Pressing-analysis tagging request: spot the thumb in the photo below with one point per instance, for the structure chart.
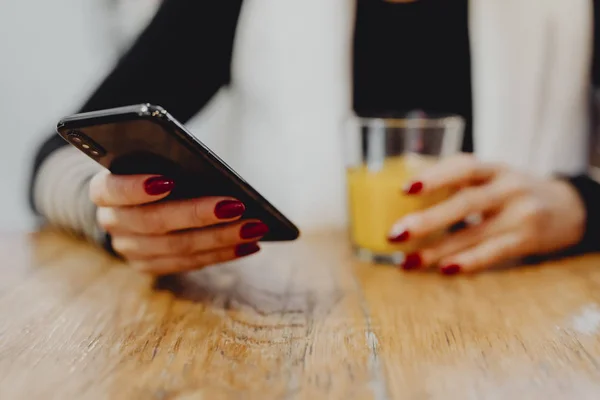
(108, 190)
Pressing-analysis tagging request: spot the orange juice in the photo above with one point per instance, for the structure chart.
(376, 201)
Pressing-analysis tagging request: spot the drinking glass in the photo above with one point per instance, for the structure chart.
(383, 154)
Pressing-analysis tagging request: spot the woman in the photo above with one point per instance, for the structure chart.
(523, 214)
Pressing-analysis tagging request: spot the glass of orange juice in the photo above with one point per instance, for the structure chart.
(383, 154)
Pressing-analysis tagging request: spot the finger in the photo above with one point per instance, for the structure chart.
(449, 173)
(469, 237)
(463, 204)
(108, 190)
(489, 253)
(141, 247)
(173, 265)
(162, 218)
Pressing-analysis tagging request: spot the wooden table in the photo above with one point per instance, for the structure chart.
(299, 321)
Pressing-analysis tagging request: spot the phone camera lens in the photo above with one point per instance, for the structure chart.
(86, 144)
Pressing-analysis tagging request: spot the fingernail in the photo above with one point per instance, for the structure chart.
(413, 188)
(246, 249)
(158, 185)
(451, 269)
(399, 236)
(412, 261)
(228, 209)
(253, 230)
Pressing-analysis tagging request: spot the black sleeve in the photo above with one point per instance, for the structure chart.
(179, 62)
(589, 192)
(596, 47)
(587, 188)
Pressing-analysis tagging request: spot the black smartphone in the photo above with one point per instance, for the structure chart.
(146, 139)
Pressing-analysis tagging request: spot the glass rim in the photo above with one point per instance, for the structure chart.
(406, 120)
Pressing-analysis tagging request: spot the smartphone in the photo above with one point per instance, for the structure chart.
(146, 139)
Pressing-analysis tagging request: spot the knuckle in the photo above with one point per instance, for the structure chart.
(472, 235)
(198, 262)
(127, 189)
(516, 185)
(430, 255)
(223, 255)
(473, 200)
(198, 213)
(534, 212)
(141, 266)
(422, 224)
(212, 258)
(470, 167)
(527, 238)
(475, 259)
(180, 243)
(534, 217)
(516, 245)
(479, 261)
(118, 244)
(491, 197)
(122, 246)
(106, 219)
(225, 235)
(186, 264)
(96, 187)
(151, 219)
(484, 197)
(415, 222)
(468, 193)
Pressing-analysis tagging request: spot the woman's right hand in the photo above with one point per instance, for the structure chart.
(174, 236)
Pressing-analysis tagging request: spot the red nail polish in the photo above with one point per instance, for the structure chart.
(253, 230)
(414, 188)
(451, 269)
(246, 249)
(400, 238)
(228, 209)
(158, 185)
(412, 261)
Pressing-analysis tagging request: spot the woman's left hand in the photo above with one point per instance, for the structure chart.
(521, 216)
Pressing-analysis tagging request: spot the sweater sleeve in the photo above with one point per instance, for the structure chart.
(180, 61)
(588, 188)
(589, 192)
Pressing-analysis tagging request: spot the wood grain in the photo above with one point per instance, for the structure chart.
(298, 321)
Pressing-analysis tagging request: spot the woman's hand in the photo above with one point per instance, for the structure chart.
(174, 236)
(521, 216)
